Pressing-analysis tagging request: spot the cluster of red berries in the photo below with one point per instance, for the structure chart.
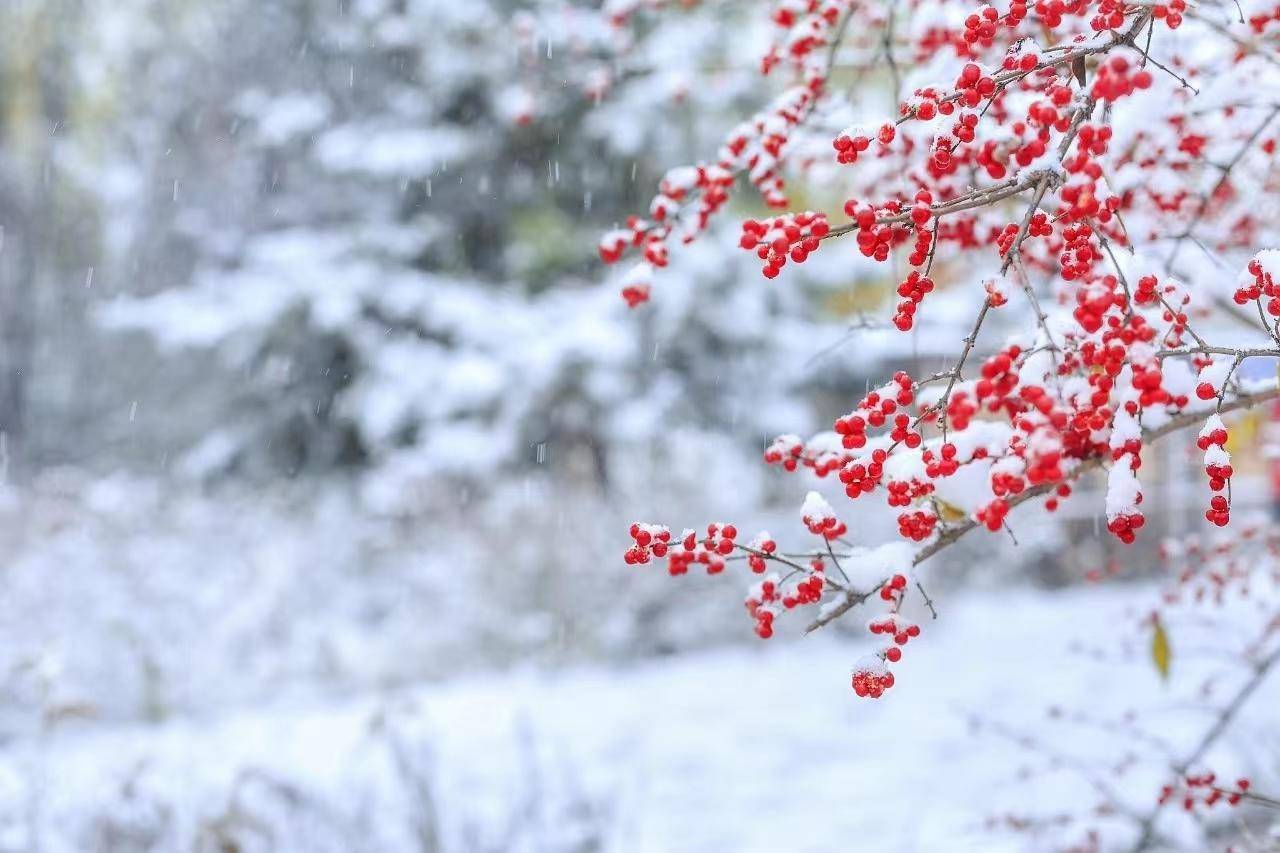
(973, 86)
(614, 243)
(655, 251)
(1217, 467)
(861, 478)
(863, 215)
(1204, 790)
(1262, 285)
(1039, 226)
(912, 290)
(993, 514)
(1125, 521)
(1044, 462)
(1051, 112)
(807, 27)
(924, 243)
(765, 596)
(1170, 13)
(719, 539)
(1175, 301)
(941, 464)
(690, 196)
(1117, 78)
(992, 158)
(1006, 483)
(851, 142)
(1125, 526)
(709, 553)
(1212, 434)
(998, 376)
(928, 104)
(1050, 12)
(1025, 62)
(1108, 357)
(980, 27)
(635, 294)
(1078, 253)
(872, 680)
(903, 492)
(710, 186)
(1080, 201)
(872, 676)
(649, 539)
(1145, 293)
(943, 161)
(904, 433)
(874, 411)
(917, 526)
(1093, 139)
(654, 540)
(1109, 16)
(785, 450)
(793, 236)
(1212, 377)
(821, 519)
(764, 544)
(807, 591)
(1219, 511)
(920, 212)
(1094, 300)
(1259, 20)
(960, 410)
(1148, 379)
(849, 147)
(893, 624)
(876, 239)
(1124, 492)
(965, 127)
(761, 605)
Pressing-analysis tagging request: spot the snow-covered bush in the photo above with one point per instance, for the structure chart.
(400, 282)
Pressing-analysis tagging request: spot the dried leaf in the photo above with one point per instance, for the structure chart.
(947, 511)
(1161, 652)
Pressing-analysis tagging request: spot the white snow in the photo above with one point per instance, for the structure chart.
(759, 749)
(1123, 489)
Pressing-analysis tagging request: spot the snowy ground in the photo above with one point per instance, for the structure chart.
(763, 748)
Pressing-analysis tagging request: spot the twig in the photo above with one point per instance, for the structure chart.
(1210, 737)
(928, 602)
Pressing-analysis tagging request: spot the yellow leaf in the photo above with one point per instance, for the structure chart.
(1161, 653)
(948, 511)
(1244, 432)
(859, 297)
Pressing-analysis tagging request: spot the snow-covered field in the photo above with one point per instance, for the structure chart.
(759, 748)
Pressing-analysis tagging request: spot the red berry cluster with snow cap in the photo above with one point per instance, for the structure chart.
(1217, 467)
